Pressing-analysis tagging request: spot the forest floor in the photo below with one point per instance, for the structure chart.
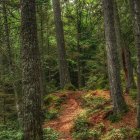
(72, 107)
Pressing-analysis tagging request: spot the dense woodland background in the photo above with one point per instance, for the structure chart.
(64, 52)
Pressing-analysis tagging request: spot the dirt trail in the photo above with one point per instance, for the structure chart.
(70, 110)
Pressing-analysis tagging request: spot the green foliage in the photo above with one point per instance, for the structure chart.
(52, 105)
(50, 87)
(94, 102)
(114, 118)
(50, 134)
(10, 132)
(133, 94)
(52, 114)
(69, 87)
(81, 123)
(135, 133)
(52, 99)
(82, 129)
(123, 133)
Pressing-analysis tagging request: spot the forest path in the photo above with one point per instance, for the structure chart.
(70, 109)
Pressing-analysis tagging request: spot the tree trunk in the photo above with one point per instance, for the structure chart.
(63, 66)
(118, 32)
(7, 38)
(123, 51)
(135, 11)
(112, 58)
(79, 18)
(128, 69)
(11, 67)
(30, 72)
(42, 49)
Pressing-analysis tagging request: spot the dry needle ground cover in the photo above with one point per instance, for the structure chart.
(88, 115)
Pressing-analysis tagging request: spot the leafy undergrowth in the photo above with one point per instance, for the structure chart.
(10, 131)
(80, 115)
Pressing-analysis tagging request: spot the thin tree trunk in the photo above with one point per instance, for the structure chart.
(112, 57)
(11, 69)
(30, 72)
(63, 66)
(123, 51)
(79, 15)
(128, 69)
(7, 37)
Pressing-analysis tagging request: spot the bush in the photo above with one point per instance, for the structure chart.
(52, 106)
(82, 129)
(69, 87)
(135, 133)
(114, 118)
(94, 102)
(53, 100)
(115, 134)
(10, 132)
(52, 114)
(133, 94)
(50, 134)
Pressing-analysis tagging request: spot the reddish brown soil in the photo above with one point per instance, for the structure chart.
(129, 119)
(71, 108)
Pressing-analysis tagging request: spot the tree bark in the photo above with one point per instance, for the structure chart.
(123, 51)
(128, 69)
(112, 58)
(31, 72)
(63, 66)
(135, 11)
(79, 18)
(7, 37)
(9, 58)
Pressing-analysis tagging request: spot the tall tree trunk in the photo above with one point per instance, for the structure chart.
(79, 16)
(63, 66)
(30, 72)
(135, 11)
(128, 68)
(7, 37)
(11, 67)
(112, 57)
(42, 49)
(118, 31)
(123, 51)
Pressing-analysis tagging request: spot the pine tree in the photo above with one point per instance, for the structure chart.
(63, 66)
(30, 72)
(112, 58)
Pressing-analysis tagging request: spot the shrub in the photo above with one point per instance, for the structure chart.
(53, 100)
(52, 114)
(114, 118)
(50, 134)
(94, 102)
(135, 133)
(50, 99)
(118, 134)
(69, 87)
(133, 94)
(10, 132)
(82, 129)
